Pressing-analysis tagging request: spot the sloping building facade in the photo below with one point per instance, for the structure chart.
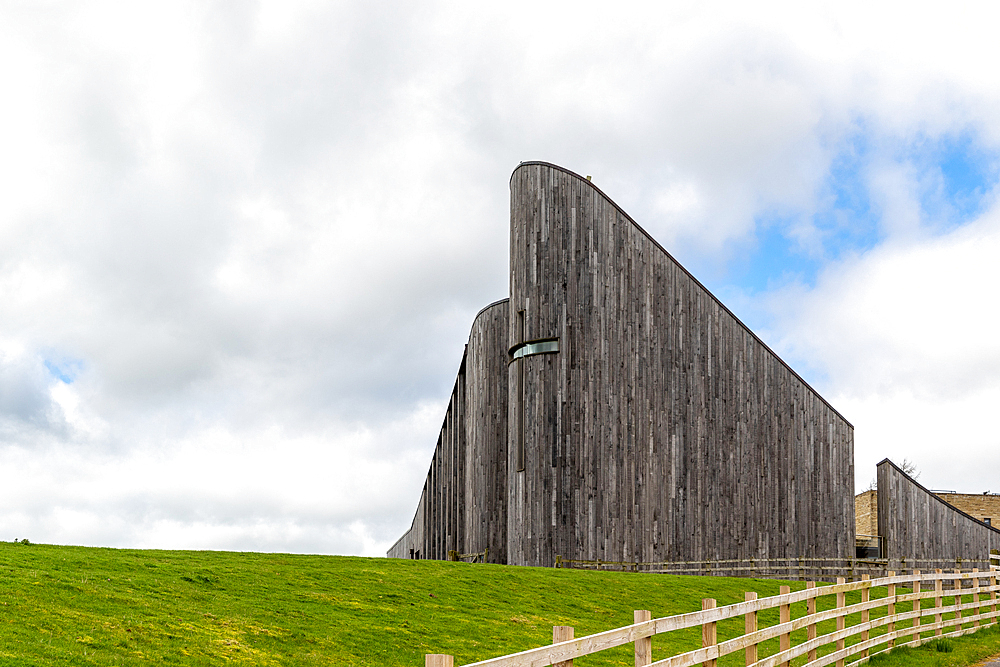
(917, 524)
(612, 408)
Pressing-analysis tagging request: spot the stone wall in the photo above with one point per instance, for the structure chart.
(986, 508)
(866, 513)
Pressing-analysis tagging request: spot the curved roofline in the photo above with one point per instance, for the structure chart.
(936, 496)
(488, 306)
(688, 273)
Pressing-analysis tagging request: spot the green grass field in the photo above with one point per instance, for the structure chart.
(85, 606)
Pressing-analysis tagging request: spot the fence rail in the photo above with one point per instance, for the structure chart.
(887, 631)
(478, 557)
(800, 569)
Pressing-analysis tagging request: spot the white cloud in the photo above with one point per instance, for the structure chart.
(222, 488)
(258, 232)
(905, 336)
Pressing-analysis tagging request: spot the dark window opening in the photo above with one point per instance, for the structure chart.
(535, 347)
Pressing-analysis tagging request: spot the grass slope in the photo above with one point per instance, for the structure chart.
(84, 606)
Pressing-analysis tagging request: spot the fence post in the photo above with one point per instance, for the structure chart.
(558, 560)
(841, 620)
(810, 610)
(975, 597)
(917, 588)
(708, 635)
(643, 645)
(993, 596)
(938, 590)
(958, 601)
(749, 626)
(562, 633)
(438, 660)
(866, 595)
(784, 616)
(891, 611)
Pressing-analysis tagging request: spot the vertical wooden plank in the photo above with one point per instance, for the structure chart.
(841, 620)
(917, 587)
(643, 645)
(562, 633)
(439, 660)
(784, 616)
(811, 628)
(708, 631)
(865, 614)
(891, 608)
(938, 590)
(750, 626)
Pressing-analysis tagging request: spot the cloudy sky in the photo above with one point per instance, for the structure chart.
(242, 243)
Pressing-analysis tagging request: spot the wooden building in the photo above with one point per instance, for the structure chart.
(612, 408)
(917, 524)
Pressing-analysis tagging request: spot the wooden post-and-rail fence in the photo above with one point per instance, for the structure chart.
(904, 619)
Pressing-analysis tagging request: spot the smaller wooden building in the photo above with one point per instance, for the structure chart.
(903, 521)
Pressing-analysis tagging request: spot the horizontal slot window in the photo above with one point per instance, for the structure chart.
(535, 347)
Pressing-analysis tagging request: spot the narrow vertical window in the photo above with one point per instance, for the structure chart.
(518, 353)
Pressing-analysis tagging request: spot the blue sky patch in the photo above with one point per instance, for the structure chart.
(775, 260)
(959, 174)
(953, 177)
(64, 370)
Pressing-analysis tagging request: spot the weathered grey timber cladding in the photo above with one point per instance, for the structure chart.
(462, 504)
(916, 524)
(663, 429)
(613, 409)
(486, 428)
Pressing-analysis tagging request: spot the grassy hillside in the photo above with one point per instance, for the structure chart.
(84, 606)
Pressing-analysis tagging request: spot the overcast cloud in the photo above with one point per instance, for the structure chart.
(241, 244)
